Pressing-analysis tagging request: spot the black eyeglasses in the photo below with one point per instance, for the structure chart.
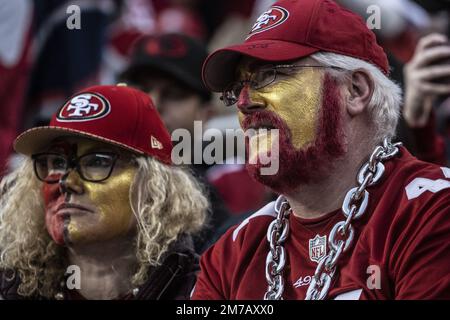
(93, 167)
(260, 79)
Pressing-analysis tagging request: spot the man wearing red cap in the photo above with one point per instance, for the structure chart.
(358, 216)
(96, 211)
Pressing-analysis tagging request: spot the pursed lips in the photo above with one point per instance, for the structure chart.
(71, 208)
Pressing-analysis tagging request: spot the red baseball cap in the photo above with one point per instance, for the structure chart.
(293, 29)
(118, 115)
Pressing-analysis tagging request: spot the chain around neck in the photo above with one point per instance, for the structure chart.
(354, 207)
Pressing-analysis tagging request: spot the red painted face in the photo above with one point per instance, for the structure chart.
(54, 222)
(53, 198)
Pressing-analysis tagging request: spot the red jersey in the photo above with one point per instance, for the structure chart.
(401, 248)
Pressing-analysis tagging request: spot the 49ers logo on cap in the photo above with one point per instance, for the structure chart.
(84, 107)
(269, 19)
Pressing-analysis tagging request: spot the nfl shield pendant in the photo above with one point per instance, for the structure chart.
(317, 248)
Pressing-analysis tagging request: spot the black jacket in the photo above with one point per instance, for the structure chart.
(172, 280)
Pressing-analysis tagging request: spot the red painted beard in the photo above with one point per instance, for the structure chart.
(302, 166)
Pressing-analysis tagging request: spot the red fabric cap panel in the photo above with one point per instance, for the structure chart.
(118, 114)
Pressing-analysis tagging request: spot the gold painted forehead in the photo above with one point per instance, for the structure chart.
(248, 65)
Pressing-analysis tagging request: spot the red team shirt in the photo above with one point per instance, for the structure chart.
(401, 249)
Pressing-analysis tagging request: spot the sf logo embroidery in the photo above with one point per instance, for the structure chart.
(317, 248)
(269, 19)
(84, 107)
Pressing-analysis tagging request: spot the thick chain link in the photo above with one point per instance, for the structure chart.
(276, 258)
(340, 238)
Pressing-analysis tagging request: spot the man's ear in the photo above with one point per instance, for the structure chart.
(360, 92)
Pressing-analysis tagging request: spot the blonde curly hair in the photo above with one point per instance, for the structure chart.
(167, 202)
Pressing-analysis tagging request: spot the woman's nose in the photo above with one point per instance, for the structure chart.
(71, 182)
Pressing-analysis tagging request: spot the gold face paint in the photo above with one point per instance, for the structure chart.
(113, 216)
(109, 214)
(296, 99)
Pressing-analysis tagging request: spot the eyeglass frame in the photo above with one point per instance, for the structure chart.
(74, 163)
(274, 67)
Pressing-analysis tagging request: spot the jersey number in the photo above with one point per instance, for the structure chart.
(419, 185)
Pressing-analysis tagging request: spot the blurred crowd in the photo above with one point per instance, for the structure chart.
(159, 46)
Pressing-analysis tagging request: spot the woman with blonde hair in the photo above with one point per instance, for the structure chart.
(96, 210)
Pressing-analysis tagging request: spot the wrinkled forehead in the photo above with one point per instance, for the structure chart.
(79, 146)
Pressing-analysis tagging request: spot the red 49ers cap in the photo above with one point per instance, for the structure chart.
(118, 115)
(293, 29)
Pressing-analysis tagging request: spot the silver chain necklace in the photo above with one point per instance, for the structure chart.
(353, 207)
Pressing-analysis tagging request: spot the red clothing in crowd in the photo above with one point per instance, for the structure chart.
(225, 178)
(15, 62)
(430, 145)
(401, 248)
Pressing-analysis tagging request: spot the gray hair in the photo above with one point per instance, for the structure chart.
(387, 95)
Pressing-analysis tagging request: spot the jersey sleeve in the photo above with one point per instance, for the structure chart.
(215, 268)
(421, 260)
(223, 264)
